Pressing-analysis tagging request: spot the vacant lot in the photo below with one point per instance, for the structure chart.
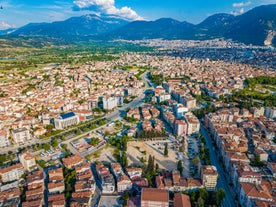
(103, 155)
(137, 150)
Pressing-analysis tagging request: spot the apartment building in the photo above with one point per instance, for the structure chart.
(28, 161)
(13, 172)
(21, 135)
(65, 120)
(153, 197)
(4, 138)
(209, 177)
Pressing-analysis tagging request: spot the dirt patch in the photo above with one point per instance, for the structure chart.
(103, 155)
(137, 150)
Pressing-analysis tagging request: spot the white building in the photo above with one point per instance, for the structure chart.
(270, 112)
(110, 103)
(21, 135)
(65, 120)
(4, 138)
(28, 161)
(11, 173)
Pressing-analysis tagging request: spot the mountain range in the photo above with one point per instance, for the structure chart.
(257, 27)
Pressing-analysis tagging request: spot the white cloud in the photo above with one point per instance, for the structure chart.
(107, 7)
(238, 12)
(4, 25)
(242, 4)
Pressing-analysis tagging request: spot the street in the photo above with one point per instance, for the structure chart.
(229, 200)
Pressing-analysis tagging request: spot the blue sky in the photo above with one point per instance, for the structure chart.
(17, 13)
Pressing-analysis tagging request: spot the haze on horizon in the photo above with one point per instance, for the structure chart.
(17, 13)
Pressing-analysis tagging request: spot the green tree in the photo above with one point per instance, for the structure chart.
(156, 167)
(219, 195)
(179, 166)
(203, 193)
(54, 143)
(166, 151)
(47, 146)
(200, 202)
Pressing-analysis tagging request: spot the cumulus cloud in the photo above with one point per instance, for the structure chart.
(238, 12)
(242, 4)
(4, 25)
(106, 7)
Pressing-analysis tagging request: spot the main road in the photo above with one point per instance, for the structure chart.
(229, 200)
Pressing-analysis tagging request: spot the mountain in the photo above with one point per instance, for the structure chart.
(7, 31)
(166, 28)
(257, 26)
(214, 26)
(253, 27)
(75, 26)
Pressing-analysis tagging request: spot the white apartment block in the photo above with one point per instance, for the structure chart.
(110, 103)
(21, 135)
(4, 138)
(11, 173)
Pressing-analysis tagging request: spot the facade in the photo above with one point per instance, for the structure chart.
(72, 161)
(123, 184)
(65, 120)
(270, 112)
(21, 135)
(180, 128)
(4, 138)
(193, 124)
(13, 172)
(209, 177)
(110, 103)
(28, 161)
(153, 197)
(181, 200)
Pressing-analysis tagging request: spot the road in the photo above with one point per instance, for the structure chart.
(229, 200)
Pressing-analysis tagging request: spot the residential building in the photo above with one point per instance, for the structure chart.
(193, 125)
(152, 197)
(11, 173)
(110, 103)
(253, 192)
(270, 112)
(65, 120)
(209, 177)
(123, 183)
(21, 135)
(4, 138)
(180, 128)
(181, 200)
(72, 161)
(28, 161)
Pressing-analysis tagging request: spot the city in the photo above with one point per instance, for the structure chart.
(88, 121)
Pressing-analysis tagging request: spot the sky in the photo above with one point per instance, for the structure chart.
(16, 13)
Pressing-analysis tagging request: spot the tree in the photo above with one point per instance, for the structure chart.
(125, 198)
(220, 195)
(179, 166)
(200, 202)
(203, 193)
(166, 151)
(156, 167)
(46, 146)
(195, 161)
(124, 160)
(54, 143)
(151, 164)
